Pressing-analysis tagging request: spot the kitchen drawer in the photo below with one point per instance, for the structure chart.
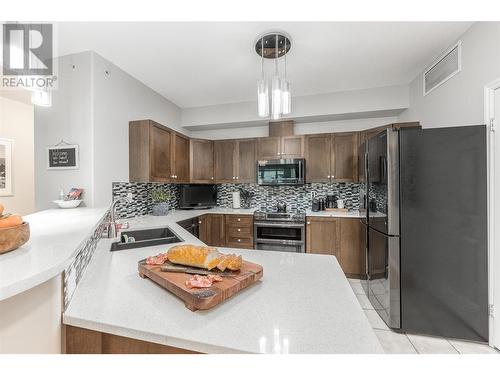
(244, 231)
(242, 242)
(239, 220)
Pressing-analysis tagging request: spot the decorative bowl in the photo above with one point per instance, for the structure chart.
(68, 204)
(13, 237)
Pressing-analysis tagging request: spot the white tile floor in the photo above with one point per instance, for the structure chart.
(401, 343)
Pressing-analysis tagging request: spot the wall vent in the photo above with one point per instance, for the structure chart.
(445, 67)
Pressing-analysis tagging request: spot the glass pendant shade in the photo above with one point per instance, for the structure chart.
(263, 98)
(42, 98)
(286, 97)
(276, 98)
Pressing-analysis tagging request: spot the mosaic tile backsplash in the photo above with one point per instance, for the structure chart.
(74, 272)
(142, 200)
(298, 198)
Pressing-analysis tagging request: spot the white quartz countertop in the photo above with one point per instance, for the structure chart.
(347, 214)
(303, 303)
(55, 235)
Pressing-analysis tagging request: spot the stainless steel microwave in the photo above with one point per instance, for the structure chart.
(281, 172)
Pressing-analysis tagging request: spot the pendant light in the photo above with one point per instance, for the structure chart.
(276, 87)
(286, 101)
(279, 102)
(262, 89)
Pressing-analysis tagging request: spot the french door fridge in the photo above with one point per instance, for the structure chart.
(427, 230)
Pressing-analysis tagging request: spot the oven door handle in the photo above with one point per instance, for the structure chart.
(280, 242)
(279, 225)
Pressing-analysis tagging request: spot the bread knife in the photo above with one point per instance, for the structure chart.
(191, 271)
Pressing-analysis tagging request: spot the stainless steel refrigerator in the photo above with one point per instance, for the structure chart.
(426, 229)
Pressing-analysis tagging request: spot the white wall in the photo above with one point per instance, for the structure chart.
(16, 123)
(93, 109)
(460, 101)
(117, 99)
(300, 128)
(355, 102)
(69, 118)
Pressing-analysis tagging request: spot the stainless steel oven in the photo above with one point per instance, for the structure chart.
(281, 172)
(279, 232)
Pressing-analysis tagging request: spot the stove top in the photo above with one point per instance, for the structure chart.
(280, 216)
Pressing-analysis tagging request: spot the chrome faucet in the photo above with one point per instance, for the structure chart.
(112, 232)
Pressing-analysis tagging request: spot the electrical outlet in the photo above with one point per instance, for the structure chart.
(313, 194)
(130, 195)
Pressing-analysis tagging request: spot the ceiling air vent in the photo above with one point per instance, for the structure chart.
(449, 64)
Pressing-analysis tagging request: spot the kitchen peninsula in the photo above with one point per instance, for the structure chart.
(303, 304)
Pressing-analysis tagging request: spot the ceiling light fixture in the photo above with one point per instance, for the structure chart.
(273, 46)
(41, 97)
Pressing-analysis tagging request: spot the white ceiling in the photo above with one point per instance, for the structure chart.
(197, 64)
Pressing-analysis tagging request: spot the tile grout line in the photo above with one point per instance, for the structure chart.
(411, 343)
(453, 346)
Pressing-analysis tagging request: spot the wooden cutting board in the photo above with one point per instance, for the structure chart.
(204, 298)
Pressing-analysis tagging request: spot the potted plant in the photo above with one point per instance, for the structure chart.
(161, 200)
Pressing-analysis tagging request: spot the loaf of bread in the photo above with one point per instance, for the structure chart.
(203, 257)
(10, 221)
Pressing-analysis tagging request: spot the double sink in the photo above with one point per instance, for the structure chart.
(145, 238)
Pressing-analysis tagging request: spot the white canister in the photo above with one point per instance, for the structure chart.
(340, 203)
(236, 199)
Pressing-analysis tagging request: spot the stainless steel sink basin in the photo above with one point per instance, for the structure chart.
(145, 238)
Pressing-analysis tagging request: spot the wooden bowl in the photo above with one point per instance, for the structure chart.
(12, 238)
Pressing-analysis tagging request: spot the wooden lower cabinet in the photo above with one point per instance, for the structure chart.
(340, 237)
(239, 231)
(321, 236)
(351, 249)
(212, 229)
(85, 341)
(226, 230)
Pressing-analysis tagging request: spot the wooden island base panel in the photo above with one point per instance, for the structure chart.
(85, 341)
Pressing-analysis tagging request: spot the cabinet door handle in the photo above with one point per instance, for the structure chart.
(239, 240)
(199, 221)
(239, 230)
(308, 223)
(237, 177)
(212, 177)
(239, 219)
(328, 176)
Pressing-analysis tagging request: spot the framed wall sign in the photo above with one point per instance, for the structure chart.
(62, 156)
(6, 166)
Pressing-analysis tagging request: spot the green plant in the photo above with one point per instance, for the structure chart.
(161, 196)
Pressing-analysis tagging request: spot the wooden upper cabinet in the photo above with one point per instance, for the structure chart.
(246, 161)
(288, 147)
(225, 161)
(322, 236)
(292, 147)
(344, 157)
(235, 161)
(269, 148)
(150, 149)
(201, 161)
(180, 158)
(318, 149)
